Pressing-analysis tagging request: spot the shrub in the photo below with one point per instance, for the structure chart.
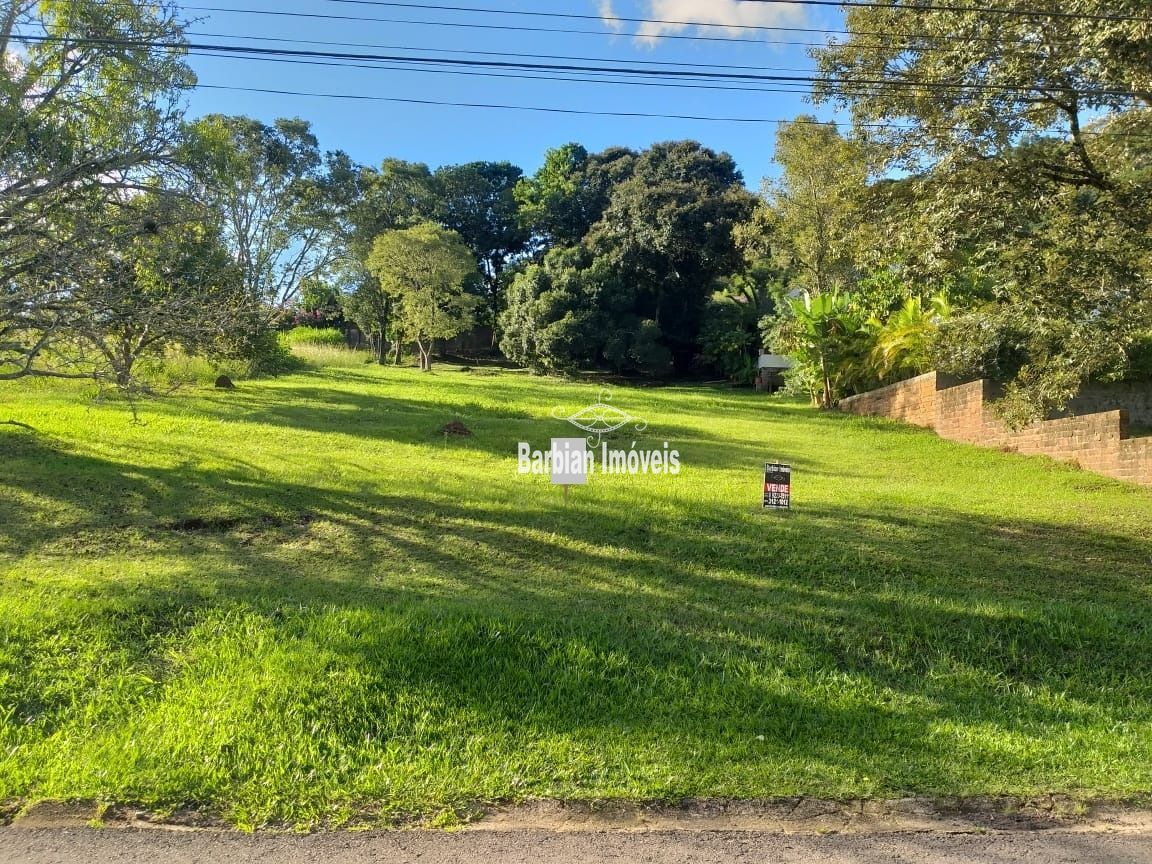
(728, 341)
(328, 337)
(1140, 360)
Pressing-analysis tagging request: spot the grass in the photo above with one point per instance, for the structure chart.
(322, 356)
(328, 337)
(299, 603)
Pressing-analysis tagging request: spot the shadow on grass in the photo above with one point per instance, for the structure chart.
(859, 642)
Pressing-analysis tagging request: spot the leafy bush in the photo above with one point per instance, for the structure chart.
(328, 337)
(260, 352)
(726, 343)
(649, 353)
(983, 344)
(180, 369)
(1042, 361)
(904, 341)
(1140, 360)
(825, 333)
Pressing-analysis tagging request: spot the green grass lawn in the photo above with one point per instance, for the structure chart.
(299, 604)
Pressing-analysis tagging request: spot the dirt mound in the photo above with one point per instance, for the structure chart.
(458, 429)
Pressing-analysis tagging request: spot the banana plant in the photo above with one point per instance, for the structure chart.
(824, 332)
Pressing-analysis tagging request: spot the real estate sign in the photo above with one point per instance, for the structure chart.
(777, 486)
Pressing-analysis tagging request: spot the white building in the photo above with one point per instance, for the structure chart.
(772, 367)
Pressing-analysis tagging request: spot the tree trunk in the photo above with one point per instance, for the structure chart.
(826, 397)
(425, 356)
(381, 350)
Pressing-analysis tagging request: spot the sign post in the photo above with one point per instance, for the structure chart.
(570, 462)
(777, 486)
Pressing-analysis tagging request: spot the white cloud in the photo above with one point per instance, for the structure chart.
(733, 17)
(608, 15)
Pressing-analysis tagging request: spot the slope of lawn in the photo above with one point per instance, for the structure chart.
(300, 604)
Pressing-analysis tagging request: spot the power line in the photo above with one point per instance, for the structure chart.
(536, 108)
(714, 66)
(478, 26)
(474, 51)
(567, 15)
(629, 114)
(545, 109)
(991, 10)
(687, 74)
(560, 77)
(674, 23)
(597, 33)
(557, 77)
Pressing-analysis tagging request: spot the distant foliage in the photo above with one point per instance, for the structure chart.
(328, 337)
(631, 292)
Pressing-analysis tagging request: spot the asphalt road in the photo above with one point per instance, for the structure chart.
(128, 846)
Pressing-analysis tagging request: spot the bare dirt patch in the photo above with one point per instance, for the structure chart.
(817, 816)
(797, 816)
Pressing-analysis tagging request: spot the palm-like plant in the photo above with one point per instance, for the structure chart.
(824, 329)
(903, 345)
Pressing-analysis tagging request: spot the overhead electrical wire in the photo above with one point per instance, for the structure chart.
(597, 113)
(773, 42)
(991, 10)
(680, 23)
(560, 77)
(928, 37)
(469, 25)
(797, 88)
(536, 108)
(687, 74)
(476, 51)
(570, 111)
(668, 74)
(918, 8)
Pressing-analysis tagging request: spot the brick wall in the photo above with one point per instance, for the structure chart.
(1097, 441)
(1134, 398)
(912, 401)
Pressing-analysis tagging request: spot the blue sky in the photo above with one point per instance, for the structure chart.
(371, 131)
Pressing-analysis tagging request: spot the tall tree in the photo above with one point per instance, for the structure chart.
(171, 283)
(424, 269)
(277, 197)
(1021, 126)
(632, 294)
(479, 204)
(571, 311)
(399, 194)
(569, 194)
(813, 208)
(670, 230)
(365, 303)
(89, 115)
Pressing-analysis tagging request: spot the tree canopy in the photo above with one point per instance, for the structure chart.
(634, 289)
(87, 125)
(424, 270)
(1028, 139)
